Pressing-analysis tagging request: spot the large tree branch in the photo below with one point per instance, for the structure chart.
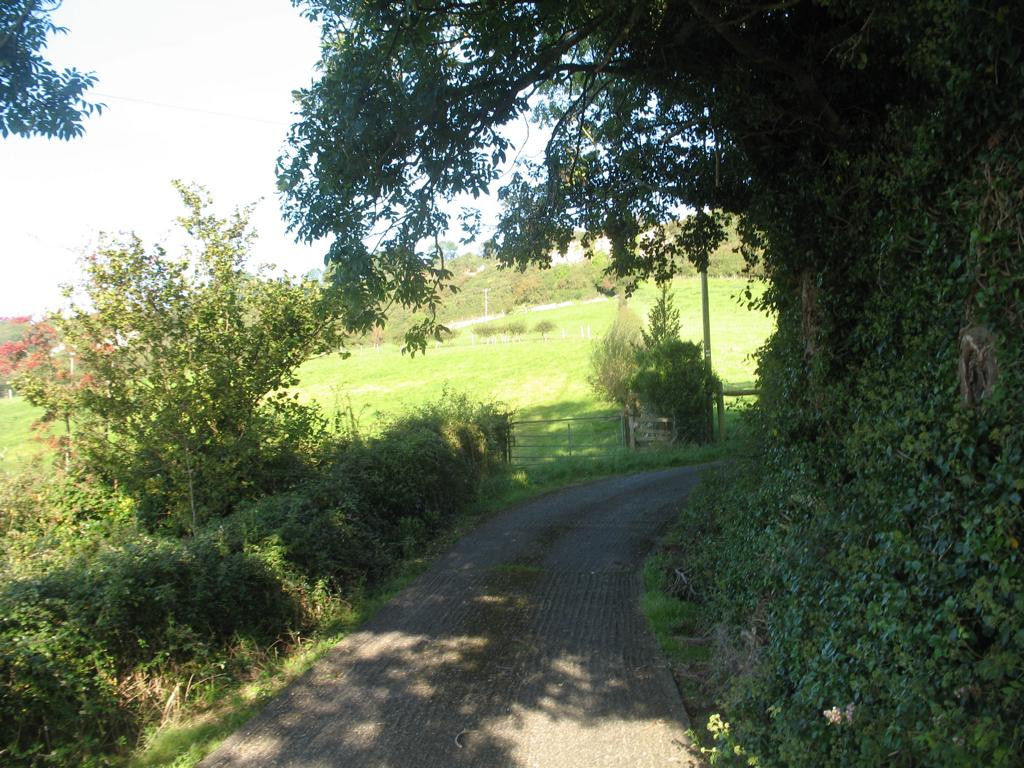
(802, 79)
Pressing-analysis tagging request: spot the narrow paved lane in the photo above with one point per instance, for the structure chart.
(524, 646)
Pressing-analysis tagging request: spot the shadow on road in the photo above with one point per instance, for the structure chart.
(524, 646)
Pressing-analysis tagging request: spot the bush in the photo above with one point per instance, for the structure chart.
(613, 361)
(69, 635)
(544, 327)
(119, 604)
(871, 601)
(179, 395)
(59, 700)
(673, 380)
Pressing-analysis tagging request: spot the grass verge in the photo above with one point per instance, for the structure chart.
(682, 630)
(703, 658)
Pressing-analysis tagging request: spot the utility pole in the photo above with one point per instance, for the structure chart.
(486, 291)
(709, 419)
(707, 316)
(719, 394)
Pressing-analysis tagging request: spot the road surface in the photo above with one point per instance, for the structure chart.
(523, 647)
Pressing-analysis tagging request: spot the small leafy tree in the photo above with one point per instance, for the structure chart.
(544, 327)
(662, 321)
(188, 362)
(672, 378)
(613, 361)
(14, 332)
(14, 328)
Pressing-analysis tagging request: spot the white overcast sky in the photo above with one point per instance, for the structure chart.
(239, 59)
(195, 89)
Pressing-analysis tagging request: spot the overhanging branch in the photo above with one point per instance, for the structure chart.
(802, 79)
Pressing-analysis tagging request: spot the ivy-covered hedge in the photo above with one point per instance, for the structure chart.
(86, 625)
(887, 588)
(872, 544)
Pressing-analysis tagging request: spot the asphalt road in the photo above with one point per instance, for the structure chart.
(524, 646)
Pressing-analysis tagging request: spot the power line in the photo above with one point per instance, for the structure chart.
(197, 110)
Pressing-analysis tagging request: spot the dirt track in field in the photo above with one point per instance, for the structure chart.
(524, 646)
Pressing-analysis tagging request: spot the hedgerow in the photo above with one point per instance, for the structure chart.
(872, 545)
(98, 626)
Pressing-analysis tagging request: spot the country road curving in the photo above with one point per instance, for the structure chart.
(524, 646)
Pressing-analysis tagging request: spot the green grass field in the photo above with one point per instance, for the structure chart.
(18, 444)
(538, 378)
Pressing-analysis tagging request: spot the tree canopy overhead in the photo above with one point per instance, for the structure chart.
(650, 106)
(870, 550)
(35, 98)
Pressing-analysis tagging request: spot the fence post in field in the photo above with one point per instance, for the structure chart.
(569, 426)
(507, 447)
(709, 418)
(720, 397)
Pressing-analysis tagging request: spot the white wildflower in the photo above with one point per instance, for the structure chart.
(835, 715)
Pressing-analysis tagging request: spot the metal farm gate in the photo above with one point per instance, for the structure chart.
(535, 441)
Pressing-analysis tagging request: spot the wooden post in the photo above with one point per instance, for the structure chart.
(706, 315)
(709, 419)
(569, 427)
(720, 392)
(705, 312)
